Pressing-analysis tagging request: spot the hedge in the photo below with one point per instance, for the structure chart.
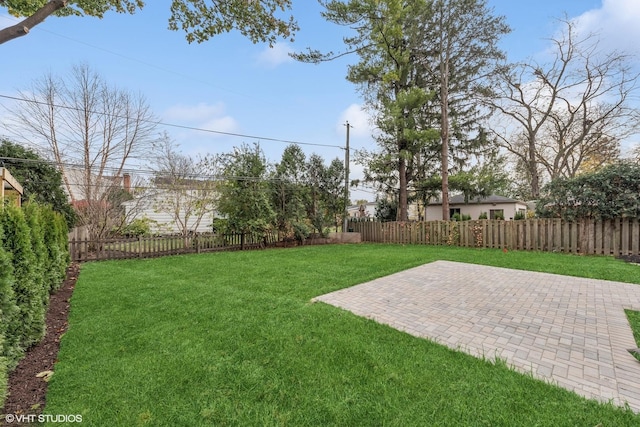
(33, 261)
(8, 311)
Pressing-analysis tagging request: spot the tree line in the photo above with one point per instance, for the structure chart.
(451, 114)
(454, 115)
(295, 196)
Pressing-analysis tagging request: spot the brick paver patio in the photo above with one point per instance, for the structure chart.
(567, 330)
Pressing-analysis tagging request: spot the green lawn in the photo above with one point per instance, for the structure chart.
(232, 339)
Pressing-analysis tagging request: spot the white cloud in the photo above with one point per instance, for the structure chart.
(210, 118)
(616, 22)
(221, 124)
(359, 120)
(271, 57)
(193, 113)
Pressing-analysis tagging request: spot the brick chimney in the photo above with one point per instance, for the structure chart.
(126, 182)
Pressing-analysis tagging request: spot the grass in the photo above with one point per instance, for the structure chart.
(232, 339)
(634, 320)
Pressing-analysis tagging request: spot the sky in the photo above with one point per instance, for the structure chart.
(228, 84)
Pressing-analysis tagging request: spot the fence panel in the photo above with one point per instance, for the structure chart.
(609, 237)
(85, 249)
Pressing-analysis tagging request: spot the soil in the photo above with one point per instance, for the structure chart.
(635, 259)
(26, 392)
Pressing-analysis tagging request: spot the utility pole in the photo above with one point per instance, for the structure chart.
(345, 223)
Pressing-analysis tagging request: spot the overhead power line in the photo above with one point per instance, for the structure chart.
(173, 125)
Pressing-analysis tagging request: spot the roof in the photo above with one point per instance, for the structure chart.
(492, 199)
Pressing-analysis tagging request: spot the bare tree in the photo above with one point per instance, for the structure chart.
(92, 132)
(572, 110)
(184, 187)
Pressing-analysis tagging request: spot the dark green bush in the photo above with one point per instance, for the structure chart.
(17, 241)
(611, 192)
(33, 215)
(137, 228)
(33, 259)
(300, 231)
(483, 215)
(8, 318)
(57, 243)
(220, 226)
(3, 376)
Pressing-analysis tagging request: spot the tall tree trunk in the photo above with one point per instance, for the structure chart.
(533, 168)
(403, 212)
(444, 134)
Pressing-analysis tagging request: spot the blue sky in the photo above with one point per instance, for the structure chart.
(229, 84)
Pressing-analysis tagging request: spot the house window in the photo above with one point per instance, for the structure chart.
(453, 211)
(496, 213)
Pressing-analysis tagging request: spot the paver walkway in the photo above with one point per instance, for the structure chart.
(567, 330)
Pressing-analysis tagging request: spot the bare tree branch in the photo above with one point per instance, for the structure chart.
(571, 111)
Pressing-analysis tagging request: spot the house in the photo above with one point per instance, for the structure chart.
(363, 210)
(77, 186)
(10, 188)
(494, 206)
(173, 210)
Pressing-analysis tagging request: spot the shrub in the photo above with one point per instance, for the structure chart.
(17, 241)
(56, 242)
(499, 216)
(33, 216)
(611, 192)
(300, 231)
(483, 215)
(3, 376)
(519, 215)
(386, 210)
(9, 321)
(220, 225)
(466, 217)
(33, 252)
(455, 217)
(137, 228)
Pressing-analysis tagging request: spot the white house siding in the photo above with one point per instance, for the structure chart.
(356, 211)
(475, 208)
(163, 222)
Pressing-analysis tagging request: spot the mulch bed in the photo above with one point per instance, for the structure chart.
(27, 392)
(635, 259)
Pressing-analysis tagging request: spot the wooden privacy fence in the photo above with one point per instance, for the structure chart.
(610, 237)
(85, 249)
